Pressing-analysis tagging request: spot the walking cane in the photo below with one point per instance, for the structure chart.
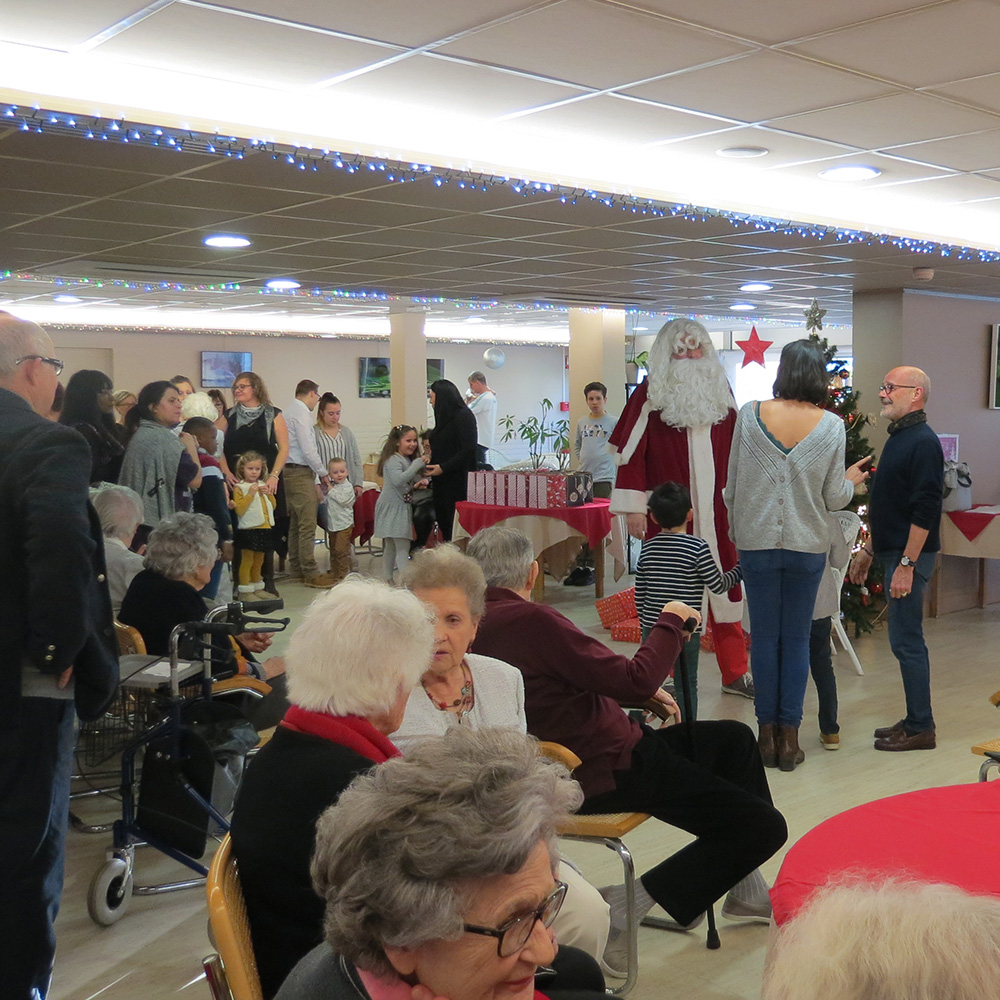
(681, 669)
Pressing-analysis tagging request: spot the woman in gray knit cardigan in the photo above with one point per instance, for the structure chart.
(786, 470)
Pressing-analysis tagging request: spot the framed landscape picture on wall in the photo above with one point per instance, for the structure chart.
(373, 378)
(220, 368)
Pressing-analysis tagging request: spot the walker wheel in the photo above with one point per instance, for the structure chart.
(110, 892)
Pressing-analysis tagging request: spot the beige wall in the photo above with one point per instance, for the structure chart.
(530, 373)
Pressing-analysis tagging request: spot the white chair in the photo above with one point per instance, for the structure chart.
(850, 524)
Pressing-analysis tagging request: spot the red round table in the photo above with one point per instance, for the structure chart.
(934, 835)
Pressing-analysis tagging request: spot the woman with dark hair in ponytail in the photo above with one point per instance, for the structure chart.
(453, 451)
(88, 407)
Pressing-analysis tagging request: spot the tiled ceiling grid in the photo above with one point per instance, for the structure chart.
(913, 89)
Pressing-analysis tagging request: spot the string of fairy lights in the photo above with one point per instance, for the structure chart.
(307, 158)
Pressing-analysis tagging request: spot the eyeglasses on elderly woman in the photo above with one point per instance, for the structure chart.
(513, 934)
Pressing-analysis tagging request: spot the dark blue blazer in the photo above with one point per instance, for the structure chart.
(54, 600)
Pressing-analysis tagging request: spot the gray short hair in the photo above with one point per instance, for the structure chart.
(477, 377)
(181, 544)
(19, 337)
(119, 509)
(505, 554)
(895, 940)
(356, 646)
(199, 404)
(447, 566)
(393, 855)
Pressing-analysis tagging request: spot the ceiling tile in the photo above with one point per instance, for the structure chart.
(918, 48)
(431, 82)
(782, 147)
(54, 24)
(982, 91)
(760, 86)
(186, 38)
(583, 55)
(979, 151)
(92, 182)
(888, 121)
(776, 20)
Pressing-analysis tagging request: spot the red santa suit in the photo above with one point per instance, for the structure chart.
(651, 453)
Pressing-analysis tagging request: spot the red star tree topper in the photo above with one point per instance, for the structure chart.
(754, 348)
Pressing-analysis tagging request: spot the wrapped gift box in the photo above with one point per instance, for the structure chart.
(559, 489)
(627, 631)
(617, 608)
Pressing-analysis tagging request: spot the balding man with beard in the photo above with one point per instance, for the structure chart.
(678, 426)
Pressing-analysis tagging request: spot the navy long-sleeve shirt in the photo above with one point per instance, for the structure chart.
(907, 489)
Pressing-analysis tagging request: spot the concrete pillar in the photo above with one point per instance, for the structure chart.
(596, 354)
(879, 346)
(408, 367)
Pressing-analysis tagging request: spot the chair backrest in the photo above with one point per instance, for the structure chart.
(850, 525)
(129, 640)
(227, 913)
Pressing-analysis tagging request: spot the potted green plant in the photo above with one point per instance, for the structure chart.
(538, 432)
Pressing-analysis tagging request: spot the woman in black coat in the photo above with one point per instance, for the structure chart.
(88, 407)
(453, 451)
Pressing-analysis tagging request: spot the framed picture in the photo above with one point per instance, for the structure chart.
(994, 381)
(949, 445)
(374, 381)
(220, 368)
(373, 378)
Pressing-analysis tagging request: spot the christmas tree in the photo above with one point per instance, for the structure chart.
(861, 605)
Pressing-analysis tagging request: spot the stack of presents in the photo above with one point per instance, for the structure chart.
(531, 490)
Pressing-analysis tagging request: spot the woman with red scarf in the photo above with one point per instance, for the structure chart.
(351, 665)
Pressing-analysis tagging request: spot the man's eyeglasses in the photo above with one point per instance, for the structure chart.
(888, 388)
(55, 362)
(514, 934)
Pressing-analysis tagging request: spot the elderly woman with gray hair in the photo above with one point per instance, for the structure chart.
(180, 555)
(461, 688)
(438, 872)
(352, 663)
(120, 511)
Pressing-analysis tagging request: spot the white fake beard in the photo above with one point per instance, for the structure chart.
(693, 393)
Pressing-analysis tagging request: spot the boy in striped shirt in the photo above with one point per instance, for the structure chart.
(676, 566)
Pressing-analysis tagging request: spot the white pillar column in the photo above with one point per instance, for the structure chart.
(408, 367)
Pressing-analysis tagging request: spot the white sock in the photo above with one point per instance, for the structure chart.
(614, 896)
(751, 890)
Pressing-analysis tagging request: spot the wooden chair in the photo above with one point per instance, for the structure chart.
(990, 749)
(232, 970)
(129, 640)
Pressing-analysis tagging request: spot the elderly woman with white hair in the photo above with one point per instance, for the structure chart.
(352, 663)
(438, 872)
(120, 511)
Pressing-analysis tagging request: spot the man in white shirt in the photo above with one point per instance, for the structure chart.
(482, 400)
(300, 472)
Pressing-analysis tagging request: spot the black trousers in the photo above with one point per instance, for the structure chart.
(720, 795)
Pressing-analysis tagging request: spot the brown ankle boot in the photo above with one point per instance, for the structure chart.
(790, 755)
(767, 745)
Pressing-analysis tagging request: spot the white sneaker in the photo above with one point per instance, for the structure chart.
(737, 909)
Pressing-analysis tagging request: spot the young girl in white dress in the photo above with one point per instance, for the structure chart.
(400, 467)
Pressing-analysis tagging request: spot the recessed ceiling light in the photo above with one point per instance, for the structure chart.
(742, 307)
(756, 286)
(742, 152)
(66, 298)
(850, 172)
(226, 241)
(282, 284)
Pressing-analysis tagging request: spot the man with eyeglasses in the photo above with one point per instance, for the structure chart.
(59, 646)
(905, 518)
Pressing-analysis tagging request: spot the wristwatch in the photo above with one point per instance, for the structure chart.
(905, 561)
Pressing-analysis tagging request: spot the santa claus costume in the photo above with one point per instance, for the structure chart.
(678, 426)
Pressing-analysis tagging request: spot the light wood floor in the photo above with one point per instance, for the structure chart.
(154, 952)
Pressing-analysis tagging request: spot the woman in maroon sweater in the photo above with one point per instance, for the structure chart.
(572, 686)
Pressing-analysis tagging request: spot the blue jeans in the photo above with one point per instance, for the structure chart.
(906, 638)
(821, 667)
(781, 588)
(37, 760)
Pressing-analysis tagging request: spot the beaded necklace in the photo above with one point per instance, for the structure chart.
(463, 702)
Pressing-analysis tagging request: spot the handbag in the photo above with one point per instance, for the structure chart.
(957, 486)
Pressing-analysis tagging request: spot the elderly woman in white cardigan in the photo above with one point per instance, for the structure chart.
(466, 689)
(786, 471)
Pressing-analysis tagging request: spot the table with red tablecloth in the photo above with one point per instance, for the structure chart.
(555, 532)
(934, 835)
(969, 534)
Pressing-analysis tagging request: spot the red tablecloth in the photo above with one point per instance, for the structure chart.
(590, 519)
(935, 835)
(364, 517)
(972, 523)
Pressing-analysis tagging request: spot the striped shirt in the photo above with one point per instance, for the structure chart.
(342, 446)
(676, 567)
